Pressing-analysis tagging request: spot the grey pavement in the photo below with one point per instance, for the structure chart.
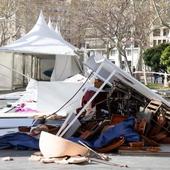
(21, 162)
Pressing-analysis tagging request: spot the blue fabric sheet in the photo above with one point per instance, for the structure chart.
(124, 129)
(18, 141)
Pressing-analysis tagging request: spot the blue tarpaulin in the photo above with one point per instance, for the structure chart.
(18, 141)
(124, 129)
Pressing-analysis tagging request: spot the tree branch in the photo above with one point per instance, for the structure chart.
(159, 15)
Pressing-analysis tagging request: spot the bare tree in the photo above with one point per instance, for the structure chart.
(161, 9)
(147, 15)
(75, 23)
(142, 26)
(112, 19)
(18, 16)
(118, 23)
(8, 28)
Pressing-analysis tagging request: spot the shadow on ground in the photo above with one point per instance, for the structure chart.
(16, 153)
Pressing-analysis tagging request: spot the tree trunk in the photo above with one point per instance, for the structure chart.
(139, 63)
(122, 52)
(126, 61)
(120, 64)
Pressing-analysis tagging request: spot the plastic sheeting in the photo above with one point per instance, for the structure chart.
(5, 73)
(54, 95)
(65, 67)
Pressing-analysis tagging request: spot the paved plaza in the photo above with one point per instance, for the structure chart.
(21, 162)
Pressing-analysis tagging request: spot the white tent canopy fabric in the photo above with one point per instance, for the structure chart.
(64, 68)
(50, 24)
(43, 40)
(57, 30)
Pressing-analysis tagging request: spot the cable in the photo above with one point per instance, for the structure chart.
(11, 69)
(71, 97)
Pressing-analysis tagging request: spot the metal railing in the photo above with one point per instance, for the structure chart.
(154, 76)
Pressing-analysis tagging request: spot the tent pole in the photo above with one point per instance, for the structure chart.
(12, 74)
(39, 68)
(35, 71)
(78, 63)
(34, 67)
(31, 66)
(24, 69)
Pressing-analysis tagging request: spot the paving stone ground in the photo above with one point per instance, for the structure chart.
(21, 162)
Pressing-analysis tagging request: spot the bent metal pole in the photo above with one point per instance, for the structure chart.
(83, 109)
(11, 69)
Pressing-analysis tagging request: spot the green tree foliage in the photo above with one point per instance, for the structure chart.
(165, 59)
(152, 57)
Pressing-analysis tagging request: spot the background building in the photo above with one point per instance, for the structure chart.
(159, 35)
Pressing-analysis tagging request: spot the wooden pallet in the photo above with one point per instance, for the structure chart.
(153, 106)
(167, 114)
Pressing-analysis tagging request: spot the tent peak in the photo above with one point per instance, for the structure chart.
(41, 40)
(41, 19)
(50, 24)
(57, 30)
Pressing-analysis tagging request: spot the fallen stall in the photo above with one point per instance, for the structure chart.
(117, 114)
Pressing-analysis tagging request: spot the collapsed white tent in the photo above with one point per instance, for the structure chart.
(42, 40)
(103, 68)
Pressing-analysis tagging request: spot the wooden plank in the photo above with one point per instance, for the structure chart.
(164, 151)
(153, 106)
(155, 102)
(143, 153)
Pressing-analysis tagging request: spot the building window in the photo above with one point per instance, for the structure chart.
(159, 42)
(129, 52)
(124, 64)
(165, 32)
(156, 32)
(87, 45)
(128, 45)
(164, 41)
(113, 52)
(154, 43)
(130, 63)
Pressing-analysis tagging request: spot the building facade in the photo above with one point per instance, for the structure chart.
(96, 45)
(159, 36)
